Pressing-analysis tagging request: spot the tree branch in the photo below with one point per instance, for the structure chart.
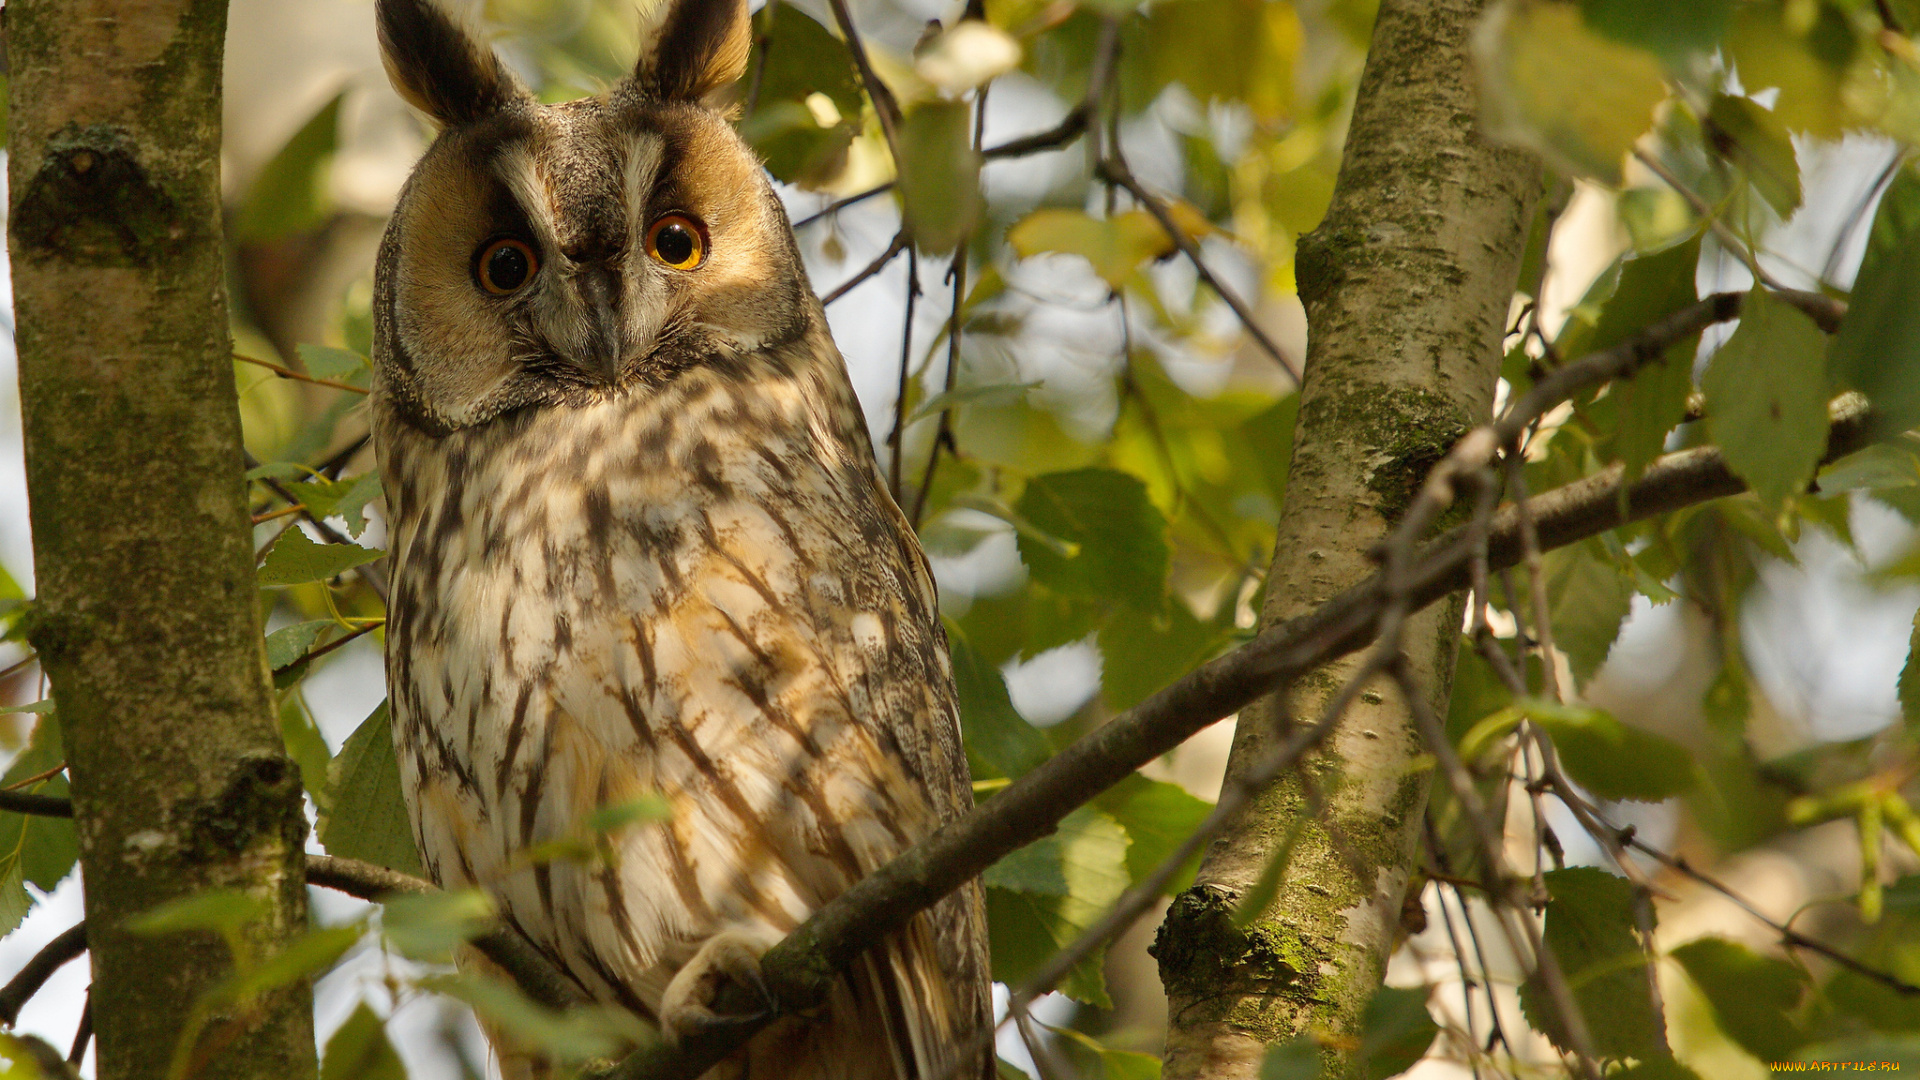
(1115, 170)
(22, 802)
(1071, 127)
(895, 247)
(69, 944)
(538, 977)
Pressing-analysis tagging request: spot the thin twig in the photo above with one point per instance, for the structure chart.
(895, 247)
(1887, 18)
(54, 955)
(897, 433)
(21, 802)
(1115, 170)
(540, 978)
(36, 778)
(943, 433)
(83, 1034)
(884, 104)
(1552, 977)
(371, 626)
(18, 666)
(289, 373)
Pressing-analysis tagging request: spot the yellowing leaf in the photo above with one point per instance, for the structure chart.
(1116, 246)
(1549, 83)
(939, 175)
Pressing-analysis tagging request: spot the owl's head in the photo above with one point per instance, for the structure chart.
(549, 253)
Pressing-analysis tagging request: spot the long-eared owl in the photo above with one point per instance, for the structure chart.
(640, 547)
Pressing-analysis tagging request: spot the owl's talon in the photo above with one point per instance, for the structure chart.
(720, 989)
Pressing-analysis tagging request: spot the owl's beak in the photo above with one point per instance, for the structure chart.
(604, 355)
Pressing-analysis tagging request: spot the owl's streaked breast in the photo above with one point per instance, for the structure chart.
(695, 590)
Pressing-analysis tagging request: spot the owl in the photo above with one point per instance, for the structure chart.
(641, 549)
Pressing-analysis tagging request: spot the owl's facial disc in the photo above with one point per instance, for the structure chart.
(561, 253)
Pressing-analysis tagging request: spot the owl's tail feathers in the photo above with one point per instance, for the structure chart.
(925, 1025)
(891, 1018)
(515, 1060)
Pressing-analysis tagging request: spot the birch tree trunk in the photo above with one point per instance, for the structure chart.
(1407, 284)
(146, 620)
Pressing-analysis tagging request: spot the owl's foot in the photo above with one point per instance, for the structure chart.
(719, 989)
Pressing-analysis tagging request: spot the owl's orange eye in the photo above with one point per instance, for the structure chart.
(504, 266)
(678, 241)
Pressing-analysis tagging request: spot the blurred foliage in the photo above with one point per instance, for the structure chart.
(1109, 430)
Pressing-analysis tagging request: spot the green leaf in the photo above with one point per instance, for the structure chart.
(307, 749)
(1767, 398)
(1589, 598)
(1872, 1002)
(1000, 742)
(344, 499)
(1395, 1031)
(1116, 246)
(1806, 63)
(428, 927)
(304, 957)
(46, 847)
(1113, 1064)
(1877, 350)
(33, 848)
(1298, 1058)
(1121, 536)
(939, 180)
(995, 394)
(1550, 83)
(1590, 928)
(1654, 1068)
(802, 58)
(1609, 758)
(25, 1057)
(337, 365)
(1142, 654)
(1641, 411)
(368, 819)
(1668, 30)
(290, 195)
(1646, 289)
(796, 146)
(359, 1050)
(289, 644)
(639, 811)
(1754, 998)
(30, 708)
(574, 1036)
(223, 911)
(1753, 138)
(1158, 817)
(1238, 50)
(296, 559)
(1043, 896)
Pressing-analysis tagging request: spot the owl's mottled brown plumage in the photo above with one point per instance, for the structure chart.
(640, 547)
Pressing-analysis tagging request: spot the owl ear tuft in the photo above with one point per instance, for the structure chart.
(692, 50)
(438, 67)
